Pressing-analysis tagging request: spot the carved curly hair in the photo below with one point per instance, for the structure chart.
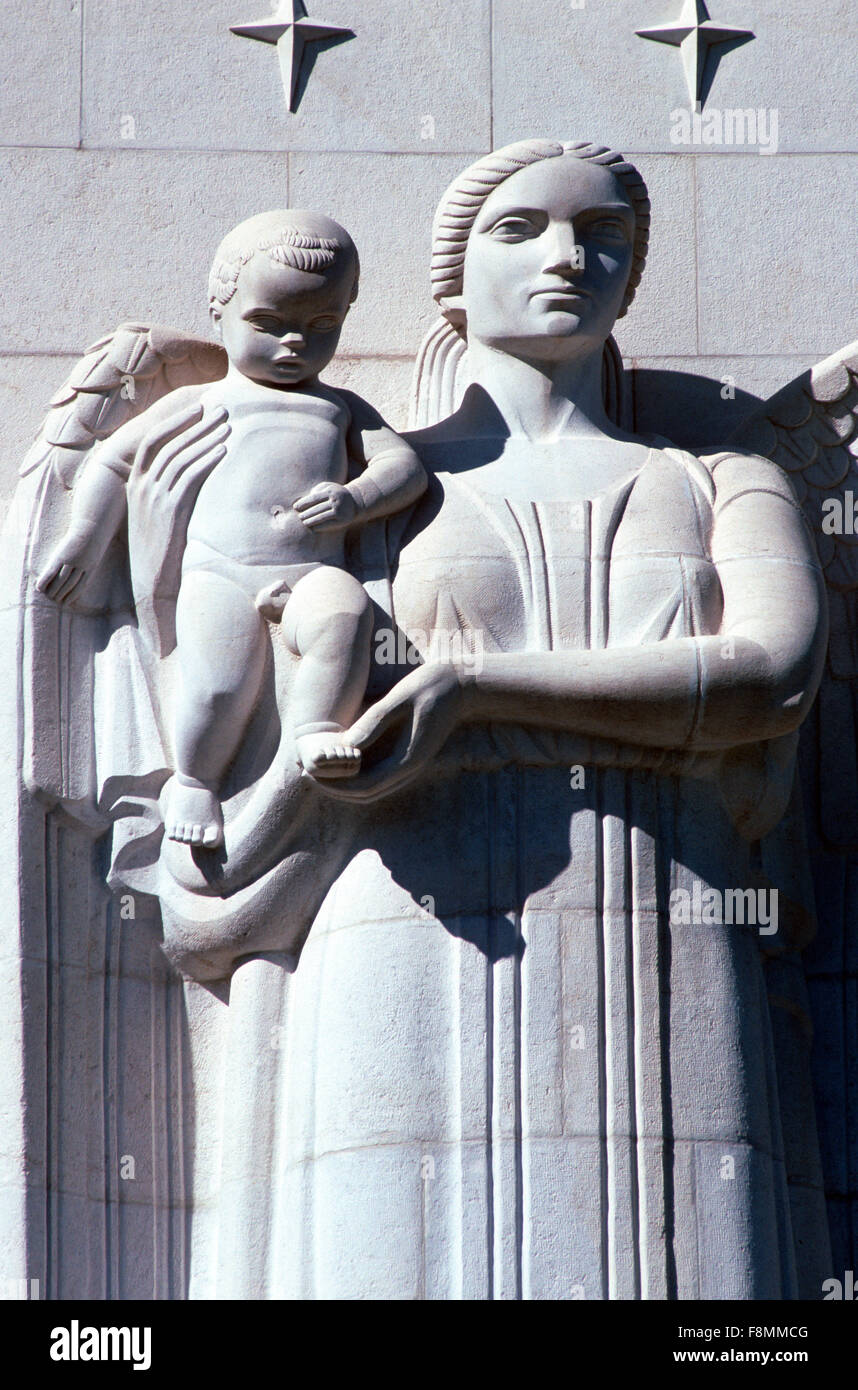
(460, 206)
(280, 236)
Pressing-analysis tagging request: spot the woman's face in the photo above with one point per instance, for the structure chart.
(548, 260)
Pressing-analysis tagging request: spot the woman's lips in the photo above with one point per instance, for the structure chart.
(561, 292)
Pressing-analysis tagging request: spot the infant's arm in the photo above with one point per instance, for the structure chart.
(393, 476)
(98, 498)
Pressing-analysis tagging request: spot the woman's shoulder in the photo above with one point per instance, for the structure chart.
(736, 472)
(729, 471)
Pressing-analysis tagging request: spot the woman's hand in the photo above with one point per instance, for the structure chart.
(170, 465)
(172, 460)
(428, 703)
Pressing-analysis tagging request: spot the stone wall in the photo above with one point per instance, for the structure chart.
(133, 132)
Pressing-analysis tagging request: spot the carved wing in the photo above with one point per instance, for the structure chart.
(810, 428)
(58, 650)
(118, 377)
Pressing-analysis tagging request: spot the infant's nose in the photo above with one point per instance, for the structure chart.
(292, 340)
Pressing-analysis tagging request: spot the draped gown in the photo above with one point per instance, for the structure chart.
(505, 1073)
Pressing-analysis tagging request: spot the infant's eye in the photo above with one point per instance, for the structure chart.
(326, 324)
(265, 325)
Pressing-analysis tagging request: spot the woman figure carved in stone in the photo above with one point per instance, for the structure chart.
(513, 1071)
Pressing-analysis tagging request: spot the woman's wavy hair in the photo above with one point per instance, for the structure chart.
(461, 204)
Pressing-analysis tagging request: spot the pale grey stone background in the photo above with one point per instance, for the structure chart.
(133, 133)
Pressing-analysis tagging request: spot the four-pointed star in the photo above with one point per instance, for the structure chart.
(290, 29)
(694, 33)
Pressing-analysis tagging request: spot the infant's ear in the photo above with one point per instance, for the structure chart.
(215, 316)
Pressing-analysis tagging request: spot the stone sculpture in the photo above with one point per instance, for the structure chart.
(280, 289)
(466, 1047)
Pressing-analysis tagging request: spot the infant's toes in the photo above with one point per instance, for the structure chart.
(196, 834)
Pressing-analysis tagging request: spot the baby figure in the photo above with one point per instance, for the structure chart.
(265, 540)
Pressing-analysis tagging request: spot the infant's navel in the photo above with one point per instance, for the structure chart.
(279, 516)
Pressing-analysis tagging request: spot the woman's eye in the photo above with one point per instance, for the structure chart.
(514, 229)
(609, 227)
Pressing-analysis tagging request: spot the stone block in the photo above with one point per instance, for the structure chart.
(41, 43)
(414, 77)
(560, 74)
(663, 317)
(777, 256)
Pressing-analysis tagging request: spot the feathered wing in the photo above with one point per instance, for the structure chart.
(60, 650)
(117, 378)
(81, 713)
(810, 428)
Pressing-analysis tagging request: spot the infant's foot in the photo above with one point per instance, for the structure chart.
(326, 755)
(194, 815)
(272, 600)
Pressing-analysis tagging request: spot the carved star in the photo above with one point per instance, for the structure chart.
(694, 33)
(291, 31)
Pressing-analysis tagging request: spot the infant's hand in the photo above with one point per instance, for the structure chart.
(68, 566)
(327, 507)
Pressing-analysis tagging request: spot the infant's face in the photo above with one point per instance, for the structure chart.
(282, 326)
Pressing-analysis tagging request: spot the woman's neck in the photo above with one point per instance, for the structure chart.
(538, 400)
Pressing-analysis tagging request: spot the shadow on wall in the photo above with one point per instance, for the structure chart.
(691, 411)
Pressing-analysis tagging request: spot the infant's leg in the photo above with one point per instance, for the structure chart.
(221, 645)
(328, 623)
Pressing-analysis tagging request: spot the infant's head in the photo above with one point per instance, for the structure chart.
(279, 291)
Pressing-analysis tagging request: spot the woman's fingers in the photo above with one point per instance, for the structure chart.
(205, 432)
(159, 435)
(178, 424)
(377, 720)
(396, 768)
(199, 459)
(53, 583)
(378, 781)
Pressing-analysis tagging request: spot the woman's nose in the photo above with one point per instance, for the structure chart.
(563, 252)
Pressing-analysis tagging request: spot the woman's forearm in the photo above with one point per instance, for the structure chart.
(697, 692)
